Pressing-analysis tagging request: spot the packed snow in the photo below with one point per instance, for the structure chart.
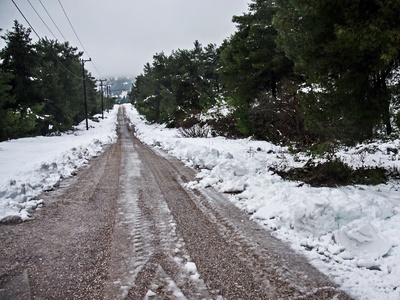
(350, 233)
(30, 166)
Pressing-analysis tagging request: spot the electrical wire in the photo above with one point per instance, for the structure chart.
(52, 20)
(73, 29)
(98, 72)
(55, 57)
(41, 19)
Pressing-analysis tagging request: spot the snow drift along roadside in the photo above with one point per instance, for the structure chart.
(350, 233)
(30, 166)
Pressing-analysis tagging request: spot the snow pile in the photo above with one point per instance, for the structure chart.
(30, 166)
(350, 233)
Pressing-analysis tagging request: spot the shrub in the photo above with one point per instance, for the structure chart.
(397, 119)
(195, 131)
(334, 173)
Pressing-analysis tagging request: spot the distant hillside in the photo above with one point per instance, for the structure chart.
(120, 86)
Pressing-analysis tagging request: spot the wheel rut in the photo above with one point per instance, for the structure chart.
(157, 259)
(64, 252)
(219, 240)
(127, 228)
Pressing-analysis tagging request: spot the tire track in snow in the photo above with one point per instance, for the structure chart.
(148, 258)
(64, 251)
(272, 270)
(271, 258)
(224, 273)
(126, 228)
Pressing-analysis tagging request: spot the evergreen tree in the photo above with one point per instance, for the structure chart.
(348, 51)
(61, 85)
(8, 119)
(253, 69)
(93, 95)
(143, 94)
(19, 59)
(41, 88)
(174, 88)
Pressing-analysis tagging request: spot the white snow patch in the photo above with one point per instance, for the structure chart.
(191, 267)
(351, 233)
(30, 166)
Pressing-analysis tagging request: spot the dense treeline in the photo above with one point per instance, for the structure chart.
(294, 71)
(178, 86)
(41, 87)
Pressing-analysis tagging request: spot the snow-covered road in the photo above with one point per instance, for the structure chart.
(227, 255)
(30, 166)
(352, 234)
(126, 228)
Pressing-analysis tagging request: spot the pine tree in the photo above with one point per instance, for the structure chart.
(8, 119)
(144, 96)
(348, 51)
(20, 60)
(253, 70)
(175, 88)
(61, 86)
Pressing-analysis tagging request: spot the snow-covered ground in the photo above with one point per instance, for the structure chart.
(30, 166)
(350, 233)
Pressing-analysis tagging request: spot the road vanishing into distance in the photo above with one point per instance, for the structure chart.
(126, 228)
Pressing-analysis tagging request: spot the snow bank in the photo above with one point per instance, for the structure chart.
(350, 233)
(30, 166)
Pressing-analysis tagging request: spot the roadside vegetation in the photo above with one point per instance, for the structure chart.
(304, 74)
(41, 86)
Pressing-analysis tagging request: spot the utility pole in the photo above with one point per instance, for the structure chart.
(108, 94)
(102, 94)
(84, 89)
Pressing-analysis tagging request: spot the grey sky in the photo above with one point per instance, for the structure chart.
(121, 36)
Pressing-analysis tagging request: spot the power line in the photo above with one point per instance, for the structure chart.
(73, 29)
(25, 19)
(84, 90)
(52, 20)
(41, 19)
(55, 57)
(98, 72)
(102, 97)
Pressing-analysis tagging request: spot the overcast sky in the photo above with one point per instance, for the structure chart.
(121, 36)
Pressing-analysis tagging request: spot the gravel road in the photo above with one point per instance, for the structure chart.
(126, 228)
